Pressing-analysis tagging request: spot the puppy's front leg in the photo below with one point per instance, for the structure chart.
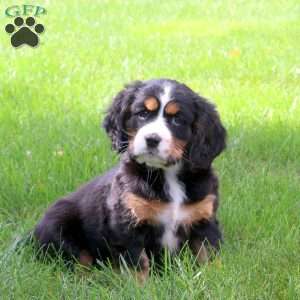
(142, 272)
(204, 238)
(137, 259)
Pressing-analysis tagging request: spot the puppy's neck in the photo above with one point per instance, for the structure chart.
(165, 183)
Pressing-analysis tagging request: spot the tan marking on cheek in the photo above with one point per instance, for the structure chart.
(144, 211)
(172, 108)
(131, 135)
(201, 210)
(151, 104)
(177, 148)
(130, 145)
(131, 132)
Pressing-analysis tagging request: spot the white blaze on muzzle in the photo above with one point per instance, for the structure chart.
(157, 127)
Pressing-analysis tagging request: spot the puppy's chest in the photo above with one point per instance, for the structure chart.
(173, 215)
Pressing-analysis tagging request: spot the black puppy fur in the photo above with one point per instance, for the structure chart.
(97, 223)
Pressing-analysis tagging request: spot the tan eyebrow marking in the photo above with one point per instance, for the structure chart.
(151, 104)
(149, 210)
(172, 108)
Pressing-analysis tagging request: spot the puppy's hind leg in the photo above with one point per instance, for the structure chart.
(60, 232)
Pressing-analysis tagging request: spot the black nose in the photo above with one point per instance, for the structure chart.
(152, 140)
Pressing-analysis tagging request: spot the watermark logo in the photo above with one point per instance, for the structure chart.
(25, 30)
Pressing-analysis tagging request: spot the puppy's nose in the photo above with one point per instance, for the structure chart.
(152, 140)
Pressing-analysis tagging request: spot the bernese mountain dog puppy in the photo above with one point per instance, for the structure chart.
(162, 194)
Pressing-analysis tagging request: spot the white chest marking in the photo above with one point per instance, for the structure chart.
(171, 217)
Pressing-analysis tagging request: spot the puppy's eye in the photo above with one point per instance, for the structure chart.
(176, 121)
(142, 115)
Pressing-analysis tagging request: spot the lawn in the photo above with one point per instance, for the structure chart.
(244, 55)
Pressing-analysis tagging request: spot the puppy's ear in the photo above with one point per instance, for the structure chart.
(209, 135)
(118, 113)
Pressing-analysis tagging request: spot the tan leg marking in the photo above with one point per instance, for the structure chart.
(85, 258)
(199, 250)
(143, 274)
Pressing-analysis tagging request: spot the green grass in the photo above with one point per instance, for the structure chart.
(242, 54)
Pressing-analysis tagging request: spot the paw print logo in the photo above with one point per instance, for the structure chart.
(24, 33)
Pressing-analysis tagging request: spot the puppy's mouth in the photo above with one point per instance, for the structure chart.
(154, 160)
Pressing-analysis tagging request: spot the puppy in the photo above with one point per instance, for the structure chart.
(162, 194)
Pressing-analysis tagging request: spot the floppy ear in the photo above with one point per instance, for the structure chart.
(209, 135)
(118, 112)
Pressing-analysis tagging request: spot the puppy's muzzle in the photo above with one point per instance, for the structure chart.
(152, 141)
